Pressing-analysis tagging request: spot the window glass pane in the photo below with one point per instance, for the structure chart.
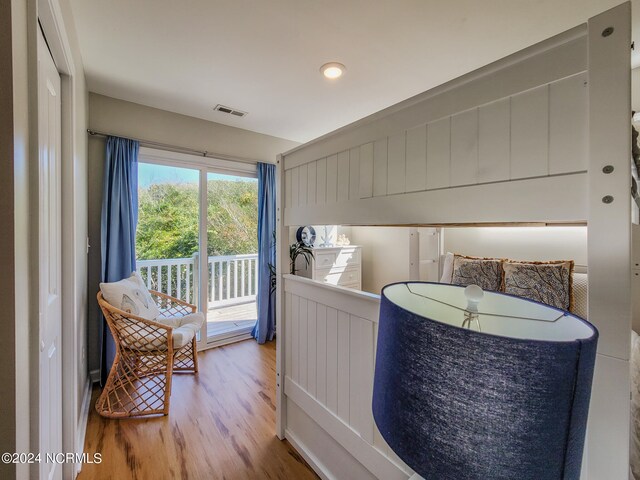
(232, 244)
(167, 233)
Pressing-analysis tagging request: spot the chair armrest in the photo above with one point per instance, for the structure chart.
(170, 306)
(134, 332)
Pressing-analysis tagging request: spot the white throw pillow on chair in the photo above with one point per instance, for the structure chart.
(184, 327)
(131, 295)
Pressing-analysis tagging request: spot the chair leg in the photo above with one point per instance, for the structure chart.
(194, 355)
(186, 359)
(103, 404)
(167, 387)
(138, 384)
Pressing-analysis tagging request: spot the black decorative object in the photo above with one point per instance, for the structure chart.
(306, 235)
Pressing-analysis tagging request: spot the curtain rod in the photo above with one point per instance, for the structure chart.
(175, 148)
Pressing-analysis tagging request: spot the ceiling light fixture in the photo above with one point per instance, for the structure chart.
(333, 70)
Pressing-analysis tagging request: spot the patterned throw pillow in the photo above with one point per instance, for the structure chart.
(546, 282)
(131, 295)
(484, 272)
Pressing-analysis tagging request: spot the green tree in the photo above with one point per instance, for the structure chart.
(168, 219)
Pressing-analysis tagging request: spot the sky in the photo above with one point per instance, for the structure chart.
(149, 173)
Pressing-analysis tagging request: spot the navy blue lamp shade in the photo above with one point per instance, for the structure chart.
(507, 402)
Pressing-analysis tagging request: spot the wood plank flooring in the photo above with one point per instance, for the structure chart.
(221, 426)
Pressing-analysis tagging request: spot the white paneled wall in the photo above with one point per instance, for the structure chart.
(416, 153)
(536, 133)
(494, 148)
(330, 337)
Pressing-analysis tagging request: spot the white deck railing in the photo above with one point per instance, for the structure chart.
(231, 279)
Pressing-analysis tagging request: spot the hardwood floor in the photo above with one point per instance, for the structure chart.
(221, 426)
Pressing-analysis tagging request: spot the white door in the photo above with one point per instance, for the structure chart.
(49, 238)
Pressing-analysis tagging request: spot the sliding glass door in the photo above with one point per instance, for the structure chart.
(186, 210)
(232, 247)
(167, 235)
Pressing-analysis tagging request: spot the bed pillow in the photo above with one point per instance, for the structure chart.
(580, 287)
(545, 282)
(131, 295)
(484, 272)
(447, 268)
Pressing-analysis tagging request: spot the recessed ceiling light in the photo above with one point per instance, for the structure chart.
(333, 70)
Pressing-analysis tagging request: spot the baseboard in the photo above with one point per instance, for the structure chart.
(94, 375)
(311, 459)
(82, 423)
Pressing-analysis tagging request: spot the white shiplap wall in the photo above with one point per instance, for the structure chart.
(330, 336)
(537, 133)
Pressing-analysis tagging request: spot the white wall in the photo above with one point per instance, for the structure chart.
(519, 243)
(635, 89)
(8, 257)
(385, 255)
(118, 117)
(24, 25)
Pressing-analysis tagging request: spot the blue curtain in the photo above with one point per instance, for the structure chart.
(119, 220)
(265, 327)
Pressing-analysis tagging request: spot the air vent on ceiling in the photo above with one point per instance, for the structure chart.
(229, 110)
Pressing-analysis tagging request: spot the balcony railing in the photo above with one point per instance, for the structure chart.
(231, 279)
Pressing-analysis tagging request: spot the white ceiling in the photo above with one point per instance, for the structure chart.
(264, 56)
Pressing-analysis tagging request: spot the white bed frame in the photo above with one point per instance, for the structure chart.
(523, 140)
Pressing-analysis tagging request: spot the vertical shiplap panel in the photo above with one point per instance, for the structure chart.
(321, 354)
(416, 175)
(302, 182)
(530, 133)
(321, 181)
(302, 338)
(396, 163)
(288, 320)
(368, 366)
(494, 133)
(361, 368)
(356, 370)
(380, 167)
(332, 178)
(343, 176)
(378, 441)
(568, 114)
(366, 170)
(354, 173)
(288, 187)
(464, 148)
(438, 153)
(311, 183)
(312, 346)
(332, 359)
(295, 335)
(343, 365)
(295, 186)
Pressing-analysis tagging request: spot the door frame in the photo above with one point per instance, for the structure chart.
(204, 165)
(49, 18)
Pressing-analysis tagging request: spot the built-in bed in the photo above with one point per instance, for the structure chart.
(524, 140)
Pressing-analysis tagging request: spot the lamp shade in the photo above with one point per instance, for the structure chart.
(505, 399)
